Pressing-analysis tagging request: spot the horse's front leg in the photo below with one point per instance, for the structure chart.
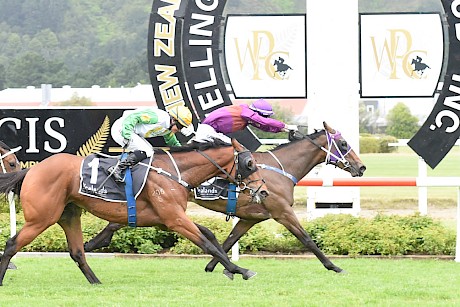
(188, 229)
(103, 238)
(237, 232)
(290, 221)
(70, 221)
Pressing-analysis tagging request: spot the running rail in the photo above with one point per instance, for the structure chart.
(381, 182)
(392, 182)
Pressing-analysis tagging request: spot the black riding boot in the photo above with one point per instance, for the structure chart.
(132, 159)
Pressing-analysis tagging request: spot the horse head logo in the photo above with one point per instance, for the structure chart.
(281, 67)
(419, 66)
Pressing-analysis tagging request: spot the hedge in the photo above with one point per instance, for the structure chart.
(335, 235)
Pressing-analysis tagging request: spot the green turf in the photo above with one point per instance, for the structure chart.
(183, 282)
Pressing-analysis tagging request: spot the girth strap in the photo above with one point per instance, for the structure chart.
(132, 215)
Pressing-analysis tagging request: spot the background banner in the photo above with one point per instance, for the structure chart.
(184, 60)
(401, 54)
(265, 55)
(441, 129)
(44, 132)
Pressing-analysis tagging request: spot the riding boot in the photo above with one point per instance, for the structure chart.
(131, 160)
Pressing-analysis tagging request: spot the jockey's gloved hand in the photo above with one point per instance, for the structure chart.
(291, 127)
(126, 143)
(187, 131)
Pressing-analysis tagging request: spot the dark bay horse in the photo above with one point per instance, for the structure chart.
(281, 168)
(49, 194)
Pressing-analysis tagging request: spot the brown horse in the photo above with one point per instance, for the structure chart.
(9, 163)
(282, 168)
(49, 194)
(8, 160)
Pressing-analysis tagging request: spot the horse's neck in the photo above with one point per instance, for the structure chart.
(297, 158)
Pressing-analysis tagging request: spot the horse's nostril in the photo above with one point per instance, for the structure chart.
(362, 169)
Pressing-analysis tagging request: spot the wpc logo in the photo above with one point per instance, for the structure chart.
(265, 56)
(395, 58)
(401, 55)
(258, 58)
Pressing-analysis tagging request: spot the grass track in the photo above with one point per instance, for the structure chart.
(183, 282)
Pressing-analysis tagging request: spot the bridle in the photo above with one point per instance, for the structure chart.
(10, 152)
(244, 165)
(335, 153)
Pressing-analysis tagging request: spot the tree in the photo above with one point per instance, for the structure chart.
(401, 123)
(76, 100)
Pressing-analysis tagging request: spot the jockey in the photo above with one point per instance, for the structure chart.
(135, 126)
(228, 119)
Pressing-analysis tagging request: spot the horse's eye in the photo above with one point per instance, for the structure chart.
(12, 165)
(249, 165)
(344, 145)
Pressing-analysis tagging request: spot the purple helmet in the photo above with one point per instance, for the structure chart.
(262, 107)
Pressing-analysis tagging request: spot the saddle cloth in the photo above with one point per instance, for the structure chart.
(212, 189)
(93, 173)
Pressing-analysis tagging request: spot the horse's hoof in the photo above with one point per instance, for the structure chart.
(208, 269)
(11, 266)
(228, 274)
(343, 272)
(249, 274)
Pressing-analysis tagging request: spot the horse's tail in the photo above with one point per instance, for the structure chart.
(12, 181)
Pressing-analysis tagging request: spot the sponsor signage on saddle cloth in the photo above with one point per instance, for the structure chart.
(401, 54)
(265, 55)
(441, 130)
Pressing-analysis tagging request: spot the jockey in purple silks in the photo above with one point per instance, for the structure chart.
(234, 118)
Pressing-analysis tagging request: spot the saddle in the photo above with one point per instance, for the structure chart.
(93, 174)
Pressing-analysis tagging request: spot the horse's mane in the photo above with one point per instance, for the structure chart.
(216, 143)
(296, 138)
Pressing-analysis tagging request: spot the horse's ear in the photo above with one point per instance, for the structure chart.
(328, 128)
(237, 145)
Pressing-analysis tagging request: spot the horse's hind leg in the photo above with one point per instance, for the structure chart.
(183, 225)
(26, 235)
(237, 232)
(11, 265)
(71, 223)
(212, 238)
(103, 238)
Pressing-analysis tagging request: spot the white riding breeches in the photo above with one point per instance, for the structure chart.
(136, 143)
(206, 133)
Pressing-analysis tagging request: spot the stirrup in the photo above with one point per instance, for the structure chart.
(111, 171)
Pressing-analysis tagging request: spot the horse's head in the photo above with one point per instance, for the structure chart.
(8, 161)
(246, 173)
(340, 154)
(335, 148)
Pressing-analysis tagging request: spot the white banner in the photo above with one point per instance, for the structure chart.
(265, 56)
(401, 54)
